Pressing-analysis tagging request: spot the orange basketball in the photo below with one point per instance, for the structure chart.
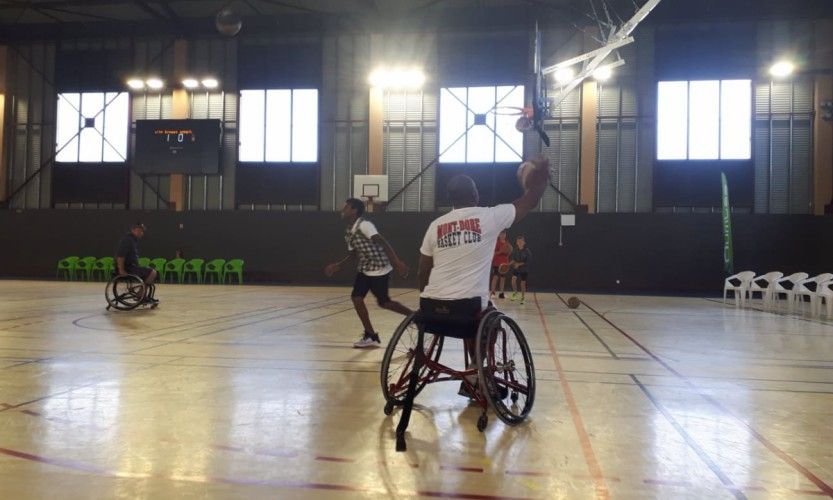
(573, 302)
(523, 172)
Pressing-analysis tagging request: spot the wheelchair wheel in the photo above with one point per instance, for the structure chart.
(399, 358)
(124, 292)
(505, 369)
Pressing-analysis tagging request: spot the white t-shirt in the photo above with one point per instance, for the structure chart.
(462, 243)
(369, 230)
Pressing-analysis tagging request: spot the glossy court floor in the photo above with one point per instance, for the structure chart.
(255, 392)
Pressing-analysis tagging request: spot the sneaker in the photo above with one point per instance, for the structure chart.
(501, 296)
(513, 297)
(368, 340)
(522, 302)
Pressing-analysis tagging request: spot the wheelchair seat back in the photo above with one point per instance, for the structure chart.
(457, 318)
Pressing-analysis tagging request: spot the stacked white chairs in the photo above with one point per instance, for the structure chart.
(788, 291)
(810, 288)
(738, 284)
(764, 285)
(825, 295)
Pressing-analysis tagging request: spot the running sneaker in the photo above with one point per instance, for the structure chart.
(523, 301)
(368, 340)
(513, 297)
(501, 296)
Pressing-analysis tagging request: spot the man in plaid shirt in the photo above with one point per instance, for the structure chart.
(375, 256)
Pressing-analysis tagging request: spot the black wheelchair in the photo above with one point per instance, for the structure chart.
(499, 370)
(128, 292)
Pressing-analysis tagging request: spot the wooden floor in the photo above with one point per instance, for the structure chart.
(255, 392)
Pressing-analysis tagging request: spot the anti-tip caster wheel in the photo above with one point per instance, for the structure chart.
(482, 422)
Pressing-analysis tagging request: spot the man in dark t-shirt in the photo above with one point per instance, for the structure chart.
(127, 255)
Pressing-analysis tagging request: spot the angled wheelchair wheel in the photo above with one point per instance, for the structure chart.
(399, 359)
(505, 369)
(124, 292)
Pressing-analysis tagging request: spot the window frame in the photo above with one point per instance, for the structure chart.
(104, 135)
(722, 154)
(264, 124)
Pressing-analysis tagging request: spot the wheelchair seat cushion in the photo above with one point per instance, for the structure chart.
(457, 318)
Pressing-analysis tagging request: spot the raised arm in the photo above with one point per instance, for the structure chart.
(536, 183)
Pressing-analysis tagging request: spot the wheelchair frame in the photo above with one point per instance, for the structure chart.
(129, 299)
(422, 367)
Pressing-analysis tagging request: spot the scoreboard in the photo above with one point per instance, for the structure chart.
(177, 147)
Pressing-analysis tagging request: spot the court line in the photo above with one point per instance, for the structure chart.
(607, 347)
(823, 486)
(704, 457)
(775, 313)
(602, 491)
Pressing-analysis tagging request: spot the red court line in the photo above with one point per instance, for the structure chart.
(602, 491)
(666, 483)
(462, 469)
(334, 459)
(823, 486)
(66, 464)
(525, 473)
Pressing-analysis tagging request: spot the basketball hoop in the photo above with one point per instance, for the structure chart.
(526, 116)
(371, 204)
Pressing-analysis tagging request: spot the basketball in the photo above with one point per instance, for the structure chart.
(573, 302)
(523, 172)
(228, 22)
(503, 268)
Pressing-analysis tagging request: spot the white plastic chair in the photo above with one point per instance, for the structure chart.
(756, 286)
(825, 294)
(779, 289)
(738, 284)
(805, 291)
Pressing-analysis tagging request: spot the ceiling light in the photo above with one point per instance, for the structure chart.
(782, 69)
(564, 75)
(210, 83)
(135, 84)
(155, 83)
(190, 83)
(603, 73)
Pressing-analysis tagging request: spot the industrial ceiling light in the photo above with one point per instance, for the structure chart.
(135, 84)
(210, 83)
(602, 73)
(782, 69)
(190, 83)
(564, 74)
(155, 83)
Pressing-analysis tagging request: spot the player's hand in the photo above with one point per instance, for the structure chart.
(401, 268)
(540, 175)
(331, 269)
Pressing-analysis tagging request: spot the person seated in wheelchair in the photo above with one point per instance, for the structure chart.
(457, 249)
(127, 259)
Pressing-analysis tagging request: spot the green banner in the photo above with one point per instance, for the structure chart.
(728, 254)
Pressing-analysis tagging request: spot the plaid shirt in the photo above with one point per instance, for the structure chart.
(372, 257)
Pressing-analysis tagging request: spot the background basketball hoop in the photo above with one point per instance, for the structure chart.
(373, 190)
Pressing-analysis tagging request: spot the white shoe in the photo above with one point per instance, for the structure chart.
(368, 340)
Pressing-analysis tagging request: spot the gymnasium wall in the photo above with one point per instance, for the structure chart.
(645, 252)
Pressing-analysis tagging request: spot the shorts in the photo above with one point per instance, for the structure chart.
(141, 272)
(521, 275)
(376, 284)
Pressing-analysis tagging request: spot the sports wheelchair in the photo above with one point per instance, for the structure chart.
(129, 292)
(501, 375)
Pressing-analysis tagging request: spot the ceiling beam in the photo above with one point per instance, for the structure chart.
(147, 9)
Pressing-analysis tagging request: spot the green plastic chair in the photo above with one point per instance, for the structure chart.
(214, 268)
(193, 267)
(66, 266)
(234, 267)
(159, 264)
(103, 268)
(85, 267)
(173, 269)
(144, 262)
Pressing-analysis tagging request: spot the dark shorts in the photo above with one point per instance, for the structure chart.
(141, 272)
(376, 284)
(520, 274)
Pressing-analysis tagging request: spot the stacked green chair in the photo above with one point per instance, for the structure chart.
(174, 268)
(144, 262)
(234, 267)
(193, 267)
(66, 267)
(214, 268)
(159, 264)
(84, 267)
(103, 268)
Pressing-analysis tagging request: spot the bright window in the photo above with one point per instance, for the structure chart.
(704, 120)
(477, 124)
(91, 127)
(279, 125)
